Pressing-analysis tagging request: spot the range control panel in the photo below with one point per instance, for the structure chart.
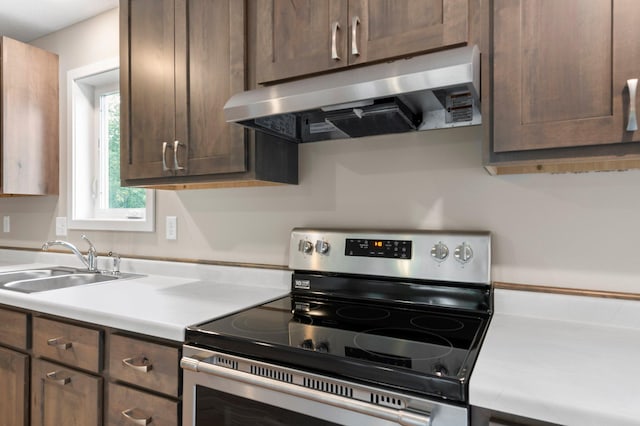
(392, 249)
(419, 254)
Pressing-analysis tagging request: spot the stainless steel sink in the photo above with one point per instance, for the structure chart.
(45, 279)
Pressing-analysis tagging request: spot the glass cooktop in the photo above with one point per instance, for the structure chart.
(424, 349)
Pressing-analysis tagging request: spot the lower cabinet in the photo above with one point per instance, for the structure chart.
(14, 387)
(60, 372)
(64, 396)
(145, 382)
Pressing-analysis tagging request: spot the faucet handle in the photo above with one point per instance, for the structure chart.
(91, 246)
(115, 257)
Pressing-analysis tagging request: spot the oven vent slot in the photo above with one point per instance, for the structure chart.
(272, 374)
(327, 387)
(387, 401)
(225, 362)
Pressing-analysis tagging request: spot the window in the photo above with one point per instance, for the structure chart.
(97, 201)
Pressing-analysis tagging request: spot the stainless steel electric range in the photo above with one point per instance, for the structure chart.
(380, 328)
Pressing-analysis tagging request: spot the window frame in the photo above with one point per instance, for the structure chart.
(87, 216)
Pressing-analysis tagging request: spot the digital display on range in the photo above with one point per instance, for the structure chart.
(391, 249)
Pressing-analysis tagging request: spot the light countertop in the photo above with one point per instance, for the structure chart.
(170, 297)
(571, 360)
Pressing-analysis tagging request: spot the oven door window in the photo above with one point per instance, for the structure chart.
(223, 409)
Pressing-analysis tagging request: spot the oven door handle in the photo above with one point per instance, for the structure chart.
(401, 417)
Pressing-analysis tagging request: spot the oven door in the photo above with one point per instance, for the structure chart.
(226, 390)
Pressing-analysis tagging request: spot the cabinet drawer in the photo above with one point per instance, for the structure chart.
(69, 344)
(127, 407)
(149, 365)
(13, 329)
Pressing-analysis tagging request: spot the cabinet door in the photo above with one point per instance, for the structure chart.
(14, 387)
(29, 100)
(391, 28)
(210, 64)
(297, 37)
(63, 396)
(560, 70)
(147, 87)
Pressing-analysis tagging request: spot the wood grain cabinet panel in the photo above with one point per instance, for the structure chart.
(13, 329)
(558, 81)
(69, 344)
(127, 407)
(14, 388)
(64, 396)
(296, 38)
(145, 364)
(180, 61)
(183, 60)
(29, 133)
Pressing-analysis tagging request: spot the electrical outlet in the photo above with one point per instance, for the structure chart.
(6, 224)
(61, 226)
(171, 229)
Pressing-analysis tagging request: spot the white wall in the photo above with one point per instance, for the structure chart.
(574, 230)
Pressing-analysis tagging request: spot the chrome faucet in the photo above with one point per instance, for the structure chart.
(90, 261)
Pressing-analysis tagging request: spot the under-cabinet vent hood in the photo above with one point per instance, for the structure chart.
(432, 91)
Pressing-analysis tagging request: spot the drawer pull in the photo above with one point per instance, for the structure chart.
(144, 367)
(128, 414)
(58, 343)
(53, 376)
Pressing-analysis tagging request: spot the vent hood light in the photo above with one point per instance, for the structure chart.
(432, 91)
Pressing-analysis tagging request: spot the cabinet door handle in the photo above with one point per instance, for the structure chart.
(176, 165)
(334, 42)
(53, 377)
(128, 414)
(354, 36)
(632, 125)
(58, 343)
(145, 367)
(164, 157)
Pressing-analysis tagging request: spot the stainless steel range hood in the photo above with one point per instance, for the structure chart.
(432, 91)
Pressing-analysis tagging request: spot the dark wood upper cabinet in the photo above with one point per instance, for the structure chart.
(181, 70)
(557, 83)
(181, 60)
(302, 37)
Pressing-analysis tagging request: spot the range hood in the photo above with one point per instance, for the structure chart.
(431, 91)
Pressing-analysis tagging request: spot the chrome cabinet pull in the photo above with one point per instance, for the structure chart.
(58, 343)
(176, 165)
(632, 125)
(334, 46)
(53, 377)
(164, 157)
(354, 36)
(128, 414)
(145, 367)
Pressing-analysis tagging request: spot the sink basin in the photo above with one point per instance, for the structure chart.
(45, 279)
(27, 274)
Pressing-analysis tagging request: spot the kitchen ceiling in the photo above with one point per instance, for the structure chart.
(26, 20)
